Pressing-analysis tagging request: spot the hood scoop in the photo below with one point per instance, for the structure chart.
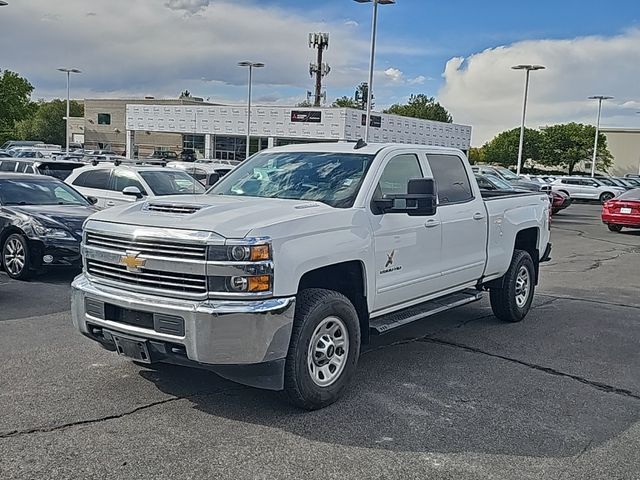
(172, 208)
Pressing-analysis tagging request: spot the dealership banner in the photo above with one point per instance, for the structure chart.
(306, 116)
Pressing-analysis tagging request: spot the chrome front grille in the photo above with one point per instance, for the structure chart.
(155, 248)
(172, 208)
(149, 280)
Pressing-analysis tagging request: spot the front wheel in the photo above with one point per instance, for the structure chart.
(324, 349)
(15, 257)
(511, 301)
(614, 228)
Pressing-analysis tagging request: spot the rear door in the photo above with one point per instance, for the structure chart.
(572, 187)
(464, 221)
(94, 183)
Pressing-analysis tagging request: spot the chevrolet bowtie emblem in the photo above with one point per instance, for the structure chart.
(132, 262)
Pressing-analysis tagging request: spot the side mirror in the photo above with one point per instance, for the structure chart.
(133, 191)
(419, 201)
(92, 200)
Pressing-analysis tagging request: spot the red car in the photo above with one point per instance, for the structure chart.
(622, 211)
(559, 201)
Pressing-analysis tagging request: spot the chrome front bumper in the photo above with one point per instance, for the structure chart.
(215, 332)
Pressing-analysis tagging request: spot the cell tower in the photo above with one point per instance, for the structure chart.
(320, 42)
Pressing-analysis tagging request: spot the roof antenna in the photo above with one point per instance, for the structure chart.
(360, 144)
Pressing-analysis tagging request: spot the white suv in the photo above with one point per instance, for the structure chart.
(115, 185)
(586, 188)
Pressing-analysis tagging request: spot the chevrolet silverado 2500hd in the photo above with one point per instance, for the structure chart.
(278, 274)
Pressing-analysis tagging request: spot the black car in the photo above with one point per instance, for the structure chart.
(40, 223)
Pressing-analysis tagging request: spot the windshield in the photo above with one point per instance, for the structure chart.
(507, 174)
(38, 192)
(171, 182)
(498, 182)
(331, 178)
(630, 195)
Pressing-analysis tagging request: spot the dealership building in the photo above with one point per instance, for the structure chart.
(219, 131)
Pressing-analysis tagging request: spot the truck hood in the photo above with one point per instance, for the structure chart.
(228, 216)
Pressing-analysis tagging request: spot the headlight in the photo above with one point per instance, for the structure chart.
(239, 253)
(45, 232)
(245, 268)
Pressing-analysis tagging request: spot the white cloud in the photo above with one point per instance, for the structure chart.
(483, 91)
(146, 46)
(351, 23)
(191, 6)
(419, 80)
(394, 74)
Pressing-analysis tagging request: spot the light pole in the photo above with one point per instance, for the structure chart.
(251, 66)
(527, 69)
(374, 23)
(600, 98)
(68, 71)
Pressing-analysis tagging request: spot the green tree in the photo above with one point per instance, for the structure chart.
(345, 102)
(422, 106)
(185, 94)
(567, 145)
(15, 102)
(503, 149)
(48, 124)
(476, 155)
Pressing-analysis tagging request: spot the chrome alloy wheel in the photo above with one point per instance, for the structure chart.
(14, 256)
(523, 286)
(328, 351)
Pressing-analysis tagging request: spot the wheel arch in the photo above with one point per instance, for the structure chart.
(348, 278)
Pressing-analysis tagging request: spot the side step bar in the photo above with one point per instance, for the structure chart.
(397, 319)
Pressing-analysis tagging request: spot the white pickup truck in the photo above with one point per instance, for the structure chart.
(278, 274)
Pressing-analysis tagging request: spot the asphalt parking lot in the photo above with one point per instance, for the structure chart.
(458, 396)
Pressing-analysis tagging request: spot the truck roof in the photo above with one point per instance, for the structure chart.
(349, 147)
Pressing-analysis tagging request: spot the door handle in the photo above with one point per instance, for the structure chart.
(478, 216)
(431, 223)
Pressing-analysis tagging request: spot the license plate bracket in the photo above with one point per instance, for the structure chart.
(131, 347)
(625, 210)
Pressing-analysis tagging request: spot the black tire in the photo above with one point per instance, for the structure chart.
(15, 250)
(314, 306)
(504, 303)
(614, 228)
(605, 197)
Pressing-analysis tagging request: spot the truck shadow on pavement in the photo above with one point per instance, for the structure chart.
(417, 395)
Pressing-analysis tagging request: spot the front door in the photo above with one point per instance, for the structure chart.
(407, 249)
(122, 179)
(464, 221)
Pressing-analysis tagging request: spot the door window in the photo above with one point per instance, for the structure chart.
(124, 179)
(397, 173)
(6, 166)
(451, 179)
(98, 179)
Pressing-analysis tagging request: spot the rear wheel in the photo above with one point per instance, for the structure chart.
(511, 301)
(324, 349)
(606, 196)
(15, 257)
(614, 228)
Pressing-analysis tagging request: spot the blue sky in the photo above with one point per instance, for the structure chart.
(458, 51)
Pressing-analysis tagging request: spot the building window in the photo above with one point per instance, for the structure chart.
(104, 119)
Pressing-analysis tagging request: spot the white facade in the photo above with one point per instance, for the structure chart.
(306, 124)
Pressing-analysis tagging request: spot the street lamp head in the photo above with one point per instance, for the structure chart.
(69, 70)
(3, 3)
(528, 67)
(380, 2)
(251, 64)
(600, 97)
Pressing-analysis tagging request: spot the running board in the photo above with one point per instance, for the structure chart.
(397, 319)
